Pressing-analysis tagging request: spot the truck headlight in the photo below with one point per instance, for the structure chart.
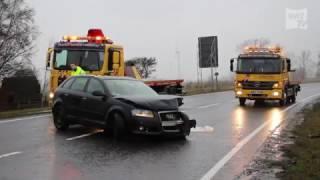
(276, 85)
(239, 92)
(142, 113)
(276, 93)
(239, 84)
(51, 95)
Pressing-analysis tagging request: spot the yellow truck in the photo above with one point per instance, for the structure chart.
(97, 55)
(94, 53)
(264, 74)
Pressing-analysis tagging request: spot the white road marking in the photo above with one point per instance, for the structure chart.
(205, 129)
(213, 171)
(23, 119)
(84, 135)
(9, 154)
(207, 106)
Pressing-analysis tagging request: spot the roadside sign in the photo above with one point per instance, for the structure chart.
(208, 51)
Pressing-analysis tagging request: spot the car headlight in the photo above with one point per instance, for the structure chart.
(142, 113)
(51, 95)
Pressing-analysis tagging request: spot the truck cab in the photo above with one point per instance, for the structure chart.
(95, 53)
(264, 74)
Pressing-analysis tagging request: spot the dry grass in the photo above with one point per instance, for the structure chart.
(192, 88)
(304, 154)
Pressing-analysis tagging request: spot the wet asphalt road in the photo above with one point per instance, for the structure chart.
(31, 149)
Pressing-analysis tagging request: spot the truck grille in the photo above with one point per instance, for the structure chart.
(260, 85)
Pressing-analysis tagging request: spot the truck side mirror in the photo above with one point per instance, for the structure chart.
(231, 64)
(48, 63)
(288, 65)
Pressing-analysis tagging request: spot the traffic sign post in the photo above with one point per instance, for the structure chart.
(208, 54)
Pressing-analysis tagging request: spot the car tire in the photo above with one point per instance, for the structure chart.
(118, 127)
(59, 119)
(181, 137)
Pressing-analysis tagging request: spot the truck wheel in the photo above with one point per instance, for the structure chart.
(242, 101)
(283, 101)
(118, 127)
(294, 98)
(59, 119)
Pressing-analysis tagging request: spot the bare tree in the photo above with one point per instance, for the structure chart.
(145, 65)
(261, 42)
(17, 34)
(304, 61)
(318, 67)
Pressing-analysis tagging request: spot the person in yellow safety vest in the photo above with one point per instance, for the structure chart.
(76, 70)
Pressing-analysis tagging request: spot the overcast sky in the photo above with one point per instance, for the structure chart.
(160, 28)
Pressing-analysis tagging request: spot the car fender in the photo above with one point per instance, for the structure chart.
(56, 102)
(188, 123)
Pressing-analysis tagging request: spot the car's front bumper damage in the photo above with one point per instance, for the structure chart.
(179, 124)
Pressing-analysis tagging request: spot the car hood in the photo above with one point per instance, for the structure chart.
(157, 103)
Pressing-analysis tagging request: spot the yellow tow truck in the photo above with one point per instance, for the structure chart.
(94, 53)
(264, 73)
(97, 55)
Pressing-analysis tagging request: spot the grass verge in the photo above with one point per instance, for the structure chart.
(304, 154)
(23, 112)
(192, 88)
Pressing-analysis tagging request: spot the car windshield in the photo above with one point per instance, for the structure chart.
(89, 60)
(119, 87)
(263, 65)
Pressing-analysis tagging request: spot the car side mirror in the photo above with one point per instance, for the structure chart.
(99, 93)
(231, 64)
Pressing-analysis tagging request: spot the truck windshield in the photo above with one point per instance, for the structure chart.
(263, 65)
(89, 60)
(120, 87)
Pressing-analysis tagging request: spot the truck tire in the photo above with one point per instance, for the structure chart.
(118, 127)
(293, 99)
(242, 101)
(294, 96)
(284, 99)
(59, 119)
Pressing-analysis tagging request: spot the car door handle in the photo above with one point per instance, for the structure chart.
(65, 94)
(84, 98)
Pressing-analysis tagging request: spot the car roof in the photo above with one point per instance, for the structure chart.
(108, 77)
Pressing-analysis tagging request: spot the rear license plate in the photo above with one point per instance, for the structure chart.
(256, 92)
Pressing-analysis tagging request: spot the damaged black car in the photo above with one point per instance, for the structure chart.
(119, 106)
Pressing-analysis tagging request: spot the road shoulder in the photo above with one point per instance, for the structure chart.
(23, 113)
(292, 150)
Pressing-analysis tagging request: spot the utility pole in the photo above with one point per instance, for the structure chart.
(178, 63)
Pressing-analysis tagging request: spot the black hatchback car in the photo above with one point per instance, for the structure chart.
(119, 105)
